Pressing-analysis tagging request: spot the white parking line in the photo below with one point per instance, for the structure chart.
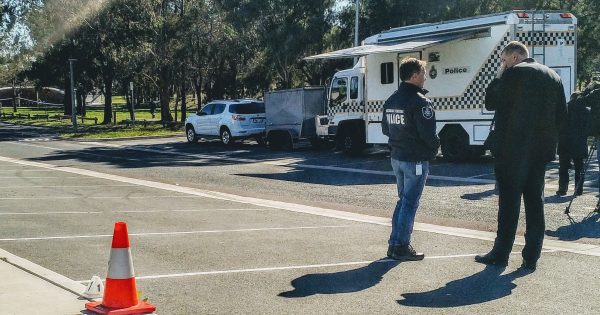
(192, 210)
(67, 186)
(285, 162)
(579, 248)
(36, 198)
(26, 170)
(126, 211)
(36, 177)
(49, 213)
(267, 269)
(69, 237)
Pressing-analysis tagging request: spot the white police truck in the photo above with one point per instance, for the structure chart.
(462, 59)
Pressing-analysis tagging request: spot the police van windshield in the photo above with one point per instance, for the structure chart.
(338, 91)
(247, 108)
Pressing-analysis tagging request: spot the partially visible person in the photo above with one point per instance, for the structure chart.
(409, 122)
(152, 108)
(572, 145)
(591, 98)
(530, 106)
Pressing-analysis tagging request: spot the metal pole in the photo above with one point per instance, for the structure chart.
(73, 103)
(132, 104)
(357, 6)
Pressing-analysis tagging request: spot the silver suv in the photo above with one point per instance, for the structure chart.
(229, 120)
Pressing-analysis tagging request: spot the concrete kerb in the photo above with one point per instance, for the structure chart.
(44, 274)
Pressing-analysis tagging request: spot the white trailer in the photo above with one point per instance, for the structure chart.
(462, 59)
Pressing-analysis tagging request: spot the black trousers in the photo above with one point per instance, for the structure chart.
(563, 173)
(516, 179)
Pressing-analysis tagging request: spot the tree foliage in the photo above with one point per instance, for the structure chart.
(222, 48)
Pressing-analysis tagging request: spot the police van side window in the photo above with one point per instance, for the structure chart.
(354, 88)
(387, 73)
(338, 91)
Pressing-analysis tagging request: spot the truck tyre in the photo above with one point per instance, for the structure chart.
(226, 137)
(351, 142)
(190, 134)
(455, 145)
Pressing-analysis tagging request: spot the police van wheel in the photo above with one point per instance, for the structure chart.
(352, 143)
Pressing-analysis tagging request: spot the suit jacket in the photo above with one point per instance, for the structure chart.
(573, 140)
(531, 110)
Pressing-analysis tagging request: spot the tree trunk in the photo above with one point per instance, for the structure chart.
(164, 94)
(67, 102)
(108, 80)
(198, 86)
(80, 102)
(183, 97)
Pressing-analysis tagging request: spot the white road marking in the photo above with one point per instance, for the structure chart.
(49, 213)
(36, 198)
(268, 269)
(67, 186)
(285, 162)
(69, 237)
(572, 247)
(192, 210)
(125, 211)
(36, 177)
(26, 170)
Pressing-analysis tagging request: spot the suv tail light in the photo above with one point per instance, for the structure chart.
(238, 117)
(566, 15)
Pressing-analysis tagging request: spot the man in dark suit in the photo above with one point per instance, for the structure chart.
(530, 107)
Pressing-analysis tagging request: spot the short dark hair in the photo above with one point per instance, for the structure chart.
(410, 66)
(515, 47)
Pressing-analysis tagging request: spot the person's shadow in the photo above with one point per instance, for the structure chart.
(480, 195)
(340, 282)
(589, 227)
(484, 286)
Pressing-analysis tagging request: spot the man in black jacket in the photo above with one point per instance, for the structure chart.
(409, 122)
(530, 109)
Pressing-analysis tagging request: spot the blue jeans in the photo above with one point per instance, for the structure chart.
(410, 187)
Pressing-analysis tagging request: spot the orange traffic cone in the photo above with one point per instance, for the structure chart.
(120, 294)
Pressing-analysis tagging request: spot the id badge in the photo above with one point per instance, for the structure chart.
(419, 169)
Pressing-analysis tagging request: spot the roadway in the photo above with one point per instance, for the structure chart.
(219, 229)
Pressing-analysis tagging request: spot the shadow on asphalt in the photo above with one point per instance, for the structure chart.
(324, 177)
(480, 195)
(340, 282)
(484, 286)
(588, 227)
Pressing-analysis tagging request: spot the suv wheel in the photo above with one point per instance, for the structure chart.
(190, 134)
(226, 137)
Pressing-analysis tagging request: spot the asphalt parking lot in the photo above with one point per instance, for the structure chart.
(198, 250)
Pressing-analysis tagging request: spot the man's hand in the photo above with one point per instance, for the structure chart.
(501, 70)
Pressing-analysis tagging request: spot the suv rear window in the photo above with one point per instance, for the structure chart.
(247, 108)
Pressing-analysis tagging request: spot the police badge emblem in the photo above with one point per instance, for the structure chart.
(427, 112)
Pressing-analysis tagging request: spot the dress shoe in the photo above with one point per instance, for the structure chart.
(491, 259)
(404, 253)
(561, 192)
(528, 266)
